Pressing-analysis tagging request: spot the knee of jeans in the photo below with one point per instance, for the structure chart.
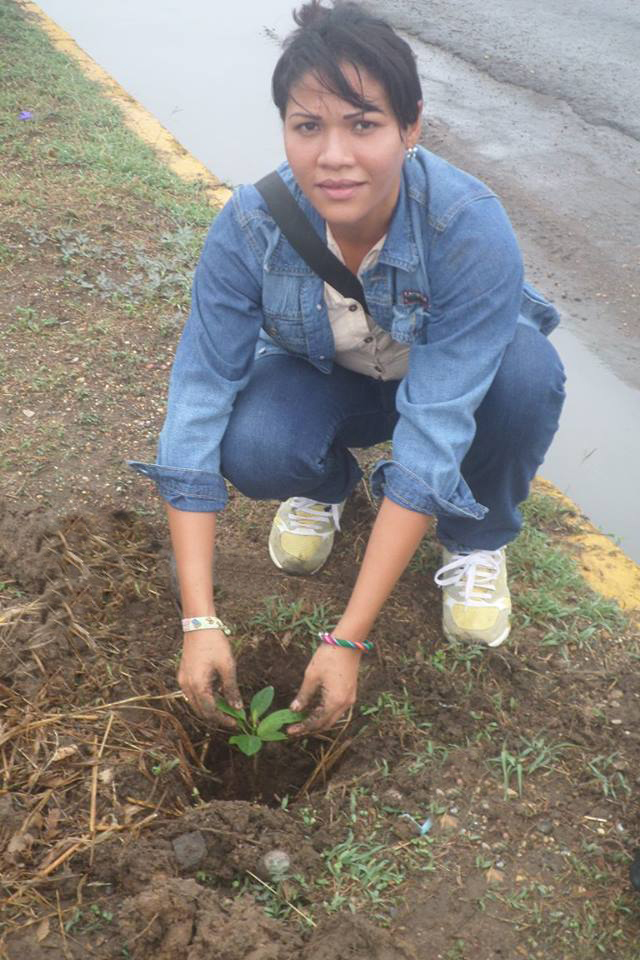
(261, 463)
(531, 374)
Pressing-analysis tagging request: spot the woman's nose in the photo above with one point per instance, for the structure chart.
(335, 149)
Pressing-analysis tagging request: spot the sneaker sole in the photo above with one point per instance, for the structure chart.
(293, 573)
(454, 638)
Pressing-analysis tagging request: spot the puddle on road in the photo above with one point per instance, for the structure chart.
(177, 56)
(595, 457)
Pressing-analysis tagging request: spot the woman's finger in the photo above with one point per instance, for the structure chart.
(230, 690)
(322, 718)
(202, 700)
(310, 683)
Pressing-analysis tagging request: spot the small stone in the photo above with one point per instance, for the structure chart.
(190, 850)
(29, 413)
(545, 826)
(494, 877)
(276, 863)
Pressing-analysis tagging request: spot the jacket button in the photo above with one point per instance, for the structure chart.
(368, 339)
(318, 306)
(353, 306)
(321, 357)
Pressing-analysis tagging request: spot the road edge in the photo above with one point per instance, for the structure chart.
(136, 117)
(604, 565)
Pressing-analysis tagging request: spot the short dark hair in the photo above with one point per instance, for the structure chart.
(327, 38)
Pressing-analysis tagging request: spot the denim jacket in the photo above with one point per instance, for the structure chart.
(448, 282)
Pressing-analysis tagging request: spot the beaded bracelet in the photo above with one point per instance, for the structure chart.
(365, 646)
(204, 623)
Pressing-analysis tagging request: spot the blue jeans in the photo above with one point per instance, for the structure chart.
(292, 426)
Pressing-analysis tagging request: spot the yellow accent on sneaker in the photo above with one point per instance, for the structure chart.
(476, 601)
(302, 534)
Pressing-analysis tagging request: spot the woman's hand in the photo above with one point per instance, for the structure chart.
(207, 655)
(334, 672)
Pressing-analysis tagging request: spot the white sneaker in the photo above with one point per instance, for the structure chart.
(476, 600)
(302, 534)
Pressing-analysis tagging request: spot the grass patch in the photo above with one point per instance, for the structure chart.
(75, 134)
(550, 593)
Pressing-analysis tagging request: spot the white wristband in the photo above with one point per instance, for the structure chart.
(204, 623)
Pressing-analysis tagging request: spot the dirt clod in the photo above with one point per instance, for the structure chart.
(190, 850)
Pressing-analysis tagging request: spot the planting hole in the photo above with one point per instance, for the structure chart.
(279, 770)
(282, 769)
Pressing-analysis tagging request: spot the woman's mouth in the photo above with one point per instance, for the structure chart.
(339, 189)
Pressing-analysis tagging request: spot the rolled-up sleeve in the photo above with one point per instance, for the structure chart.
(212, 364)
(476, 277)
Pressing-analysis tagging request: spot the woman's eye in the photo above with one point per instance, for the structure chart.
(309, 126)
(363, 125)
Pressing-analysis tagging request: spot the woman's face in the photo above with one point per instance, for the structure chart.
(347, 161)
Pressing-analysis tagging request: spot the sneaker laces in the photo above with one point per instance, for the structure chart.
(476, 573)
(312, 518)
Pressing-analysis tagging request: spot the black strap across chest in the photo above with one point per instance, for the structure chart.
(302, 236)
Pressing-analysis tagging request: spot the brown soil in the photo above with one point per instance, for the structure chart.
(92, 624)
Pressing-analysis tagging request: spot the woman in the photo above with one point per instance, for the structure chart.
(277, 375)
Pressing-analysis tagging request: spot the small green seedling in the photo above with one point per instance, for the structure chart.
(257, 729)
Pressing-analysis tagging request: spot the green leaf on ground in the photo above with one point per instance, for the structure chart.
(225, 707)
(248, 744)
(261, 703)
(276, 720)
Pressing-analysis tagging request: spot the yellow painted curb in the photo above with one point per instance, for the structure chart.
(136, 117)
(604, 566)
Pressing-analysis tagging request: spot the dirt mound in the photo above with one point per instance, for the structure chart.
(179, 918)
(129, 829)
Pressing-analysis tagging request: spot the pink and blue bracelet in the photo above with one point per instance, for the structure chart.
(364, 646)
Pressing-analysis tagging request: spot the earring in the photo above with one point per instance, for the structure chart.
(411, 152)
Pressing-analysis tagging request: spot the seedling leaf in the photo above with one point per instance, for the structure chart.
(248, 744)
(276, 720)
(225, 707)
(268, 737)
(261, 703)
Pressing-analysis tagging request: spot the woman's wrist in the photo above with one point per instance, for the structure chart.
(195, 608)
(350, 629)
(195, 624)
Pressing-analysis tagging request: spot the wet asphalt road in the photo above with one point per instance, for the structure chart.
(585, 53)
(541, 99)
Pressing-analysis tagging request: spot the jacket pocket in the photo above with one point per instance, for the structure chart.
(286, 333)
(409, 324)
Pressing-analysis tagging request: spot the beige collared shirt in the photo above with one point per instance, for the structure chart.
(361, 345)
